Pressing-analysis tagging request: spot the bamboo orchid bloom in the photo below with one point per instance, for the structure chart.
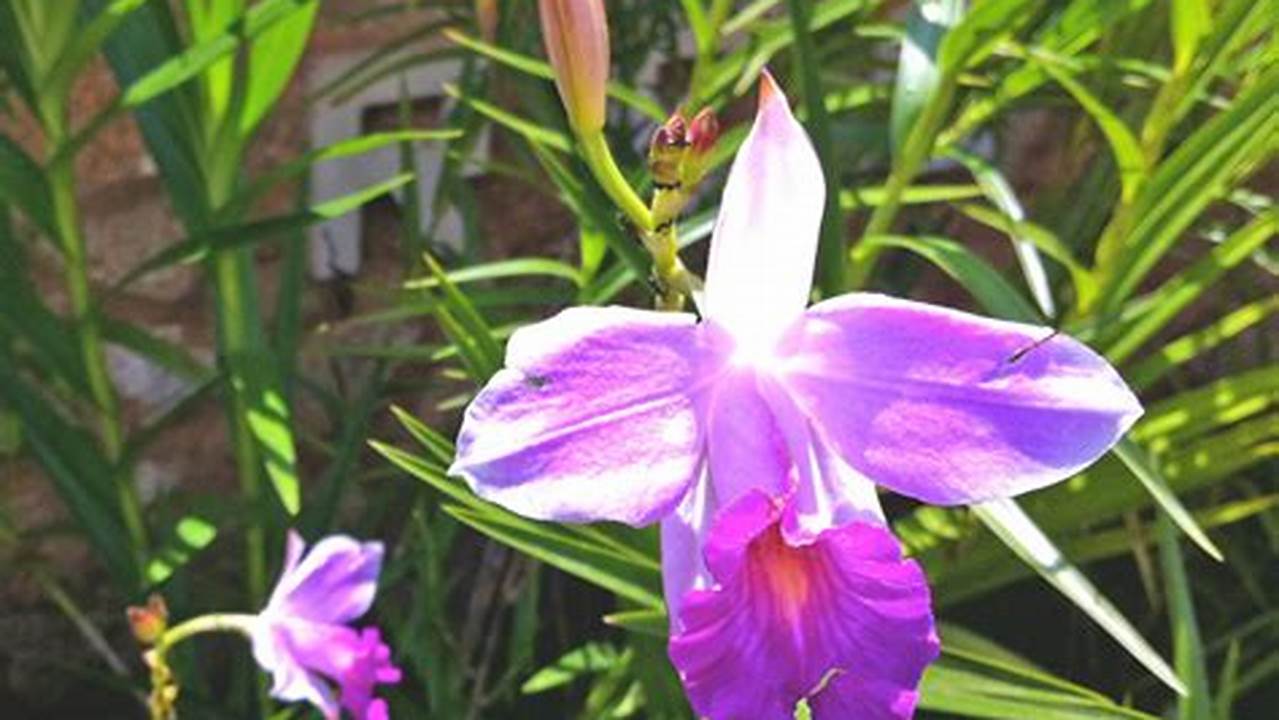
(303, 637)
(637, 416)
(616, 414)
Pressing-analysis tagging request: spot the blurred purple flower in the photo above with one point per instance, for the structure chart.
(302, 637)
(635, 416)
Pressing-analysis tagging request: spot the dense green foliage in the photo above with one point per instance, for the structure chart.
(1144, 227)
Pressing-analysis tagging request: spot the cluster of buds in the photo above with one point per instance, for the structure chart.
(678, 158)
(149, 624)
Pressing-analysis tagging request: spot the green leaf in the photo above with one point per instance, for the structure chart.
(1174, 295)
(1199, 171)
(23, 184)
(1192, 345)
(190, 535)
(588, 659)
(1129, 157)
(536, 68)
(1009, 523)
(1188, 652)
(501, 269)
(272, 60)
(976, 275)
(88, 41)
(1191, 21)
(918, 74)
(572, 549)
(1148, 473)
(79, 473)
(998, 190)
(972, 684)
(200, 247)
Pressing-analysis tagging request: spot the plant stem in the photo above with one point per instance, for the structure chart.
(600, 160)
(84, 312)
(213, 623)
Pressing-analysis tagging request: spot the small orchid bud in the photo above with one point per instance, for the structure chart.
(667, 150)
(576, 35)
(486, 17)
(703, 132)
(149, 622)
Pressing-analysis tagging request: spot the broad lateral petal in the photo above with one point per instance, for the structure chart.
(783, 622)
(949, 407)
(765, 240)
(593, 418)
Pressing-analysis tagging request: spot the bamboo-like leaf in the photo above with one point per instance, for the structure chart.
(1188, 651)
(918, 74)
(1011, 524)
(975, 274)
(536, 68)
(1174, 295)
(1148, 473)
(198, 248)
(1188, 347)
(23, 184)
(971, 684)
(190, 535)
(272, 60)
(998, 190)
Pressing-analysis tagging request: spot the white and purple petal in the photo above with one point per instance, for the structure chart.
(764, 247)
(949, 407)
(593, 418)
(844, 613)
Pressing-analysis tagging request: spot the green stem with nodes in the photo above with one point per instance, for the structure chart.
(600, 160)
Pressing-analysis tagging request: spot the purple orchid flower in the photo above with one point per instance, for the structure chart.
(635, 416)
(302, 636)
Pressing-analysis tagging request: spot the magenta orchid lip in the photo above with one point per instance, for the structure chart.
(638, 416)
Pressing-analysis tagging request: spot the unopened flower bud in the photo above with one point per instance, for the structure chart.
(149, 622)
(667, 150)
(486, 17)
(703, 132)
(576, 36)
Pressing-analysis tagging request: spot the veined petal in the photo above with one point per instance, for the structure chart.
(765, 240)
(949, 407)
(334, 583)
(783, 623)
(683, 534)
(593, 418)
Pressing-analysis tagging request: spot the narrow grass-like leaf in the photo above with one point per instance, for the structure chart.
(536, 68)
(1020, 533)
(1188, 651)
(1188, 347)
(1148, 473)
(190, 535)
(973, 273)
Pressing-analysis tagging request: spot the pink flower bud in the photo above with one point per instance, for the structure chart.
(703, 132)
(576, 35)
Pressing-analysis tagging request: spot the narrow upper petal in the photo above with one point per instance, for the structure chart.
(334, 583)
(765, 241)
(949, 407)
(784, 623)
(593, 418)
